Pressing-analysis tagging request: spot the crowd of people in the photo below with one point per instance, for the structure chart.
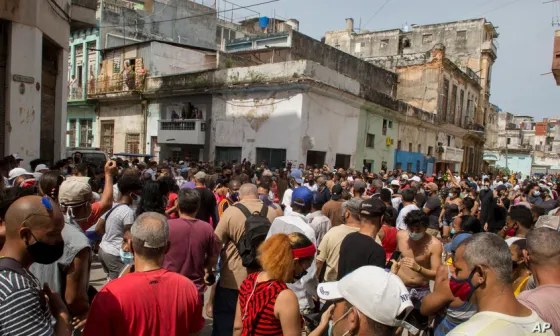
(290, 251)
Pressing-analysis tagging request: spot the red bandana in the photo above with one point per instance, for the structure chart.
(304, 252)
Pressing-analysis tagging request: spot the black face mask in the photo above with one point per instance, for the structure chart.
(44, 253)
(300, 275)
(311, 182)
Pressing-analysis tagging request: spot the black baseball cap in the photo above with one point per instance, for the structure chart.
(336, 192)
(373, 207)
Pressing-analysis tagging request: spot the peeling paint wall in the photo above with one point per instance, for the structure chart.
(120, 18)
(162, 59)
(128, 119)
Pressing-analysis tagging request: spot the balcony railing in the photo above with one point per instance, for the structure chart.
(182, 131)
(76, 94)
(116, 84)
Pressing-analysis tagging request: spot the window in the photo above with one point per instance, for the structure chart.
(461, 35)
(343, 161)
(410, 146)
(406, 43)
(444, 99)
(398, 165)
(274, 157)
(383, 44)
(384, 165)
(315, 158)
(419, 148)
(107, 136)
(133, 143)
(509, 141)
(176, 156)
(384, 130)
(390, 124)
(461, 102)
(228, 154)
(430, 150)
(453, 104)
(370, 140)
(449, 140)
(427, 38)
(399, 145)
(86, 132)
(409, 167)
(72, 133)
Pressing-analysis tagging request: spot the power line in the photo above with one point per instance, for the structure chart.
(495, 9)
(194, 16)
(377, 12)
(67, 18)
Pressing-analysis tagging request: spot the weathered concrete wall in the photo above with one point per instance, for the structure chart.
(121, 18)
(162, 59)
(365, 73)
(370, 122)
(258, 119)
(38, 14)
(128, 119)
(365, 45)
(330, 125)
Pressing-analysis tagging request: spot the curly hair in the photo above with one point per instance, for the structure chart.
(276, 258)
(152, 199)
(416, 219)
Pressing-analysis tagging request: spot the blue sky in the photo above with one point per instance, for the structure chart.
(524, 46)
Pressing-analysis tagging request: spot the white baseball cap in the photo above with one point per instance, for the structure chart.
(415, 179)
(395, 183)
(404, 177)
(17, 172)
(41, 167)
(380, 295)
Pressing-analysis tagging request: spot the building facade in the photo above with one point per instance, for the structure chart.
(34, 50)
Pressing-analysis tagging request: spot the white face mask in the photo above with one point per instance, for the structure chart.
(70, 213)
(332, 324)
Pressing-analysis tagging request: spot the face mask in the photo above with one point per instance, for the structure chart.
(536, 193)
(332, 324)
(65, 172)
(462, 289)
(44, 253)
(136, 200)
(311, 182)
(300, 275)
(234, 196)
(127, 257)
(452, 231)
(70, 213)
(451, 195)
(416, 236)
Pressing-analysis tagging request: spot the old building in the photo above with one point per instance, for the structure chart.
(127, 120)
(444, 68)
(34, 50)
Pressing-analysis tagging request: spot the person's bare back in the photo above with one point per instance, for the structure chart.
(422, 252)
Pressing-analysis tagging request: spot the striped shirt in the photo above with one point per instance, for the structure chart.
(23, 309)
(257, 306)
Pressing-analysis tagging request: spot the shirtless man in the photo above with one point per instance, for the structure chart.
(421, 257)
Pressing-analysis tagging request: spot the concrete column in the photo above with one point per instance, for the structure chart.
(60, 118)
(23, 111)
(84, 70)
(78, 121)
(73, 60)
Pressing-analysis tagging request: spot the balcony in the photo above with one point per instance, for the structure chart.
(116, 84)
(451, 154)
(83, 14)
(182, 131)
(76, 94)
(490, 47)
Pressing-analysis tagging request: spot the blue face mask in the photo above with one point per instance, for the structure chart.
(127, 257)
(536, 193)
(416, 236)
(450, 195)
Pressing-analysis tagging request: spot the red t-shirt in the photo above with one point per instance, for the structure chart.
(148, 304)
(171, 203)
(93, 218)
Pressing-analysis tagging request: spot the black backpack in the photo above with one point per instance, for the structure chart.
(256, 229)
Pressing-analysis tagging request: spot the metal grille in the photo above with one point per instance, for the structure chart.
(86, 132)
(133, 143)
(72, 134)
(178, 125)
(107, 135)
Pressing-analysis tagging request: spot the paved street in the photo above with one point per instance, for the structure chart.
(98, 280)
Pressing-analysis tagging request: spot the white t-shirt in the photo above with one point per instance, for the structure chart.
(400, 220)
(287, 201)
(492, 323)
(114, 228)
